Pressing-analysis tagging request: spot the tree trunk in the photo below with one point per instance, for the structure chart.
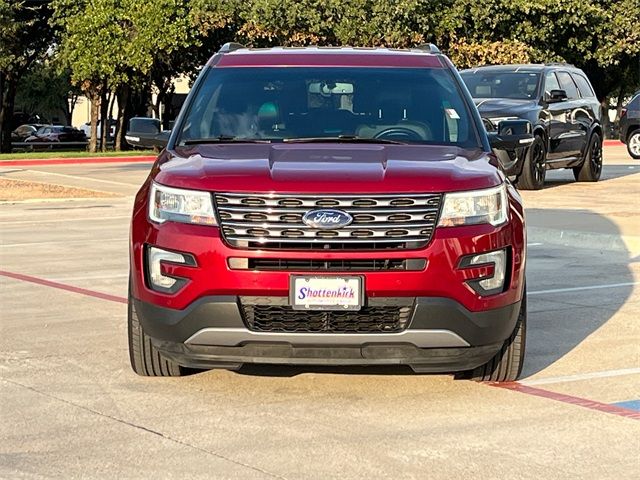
(604, 107)
(104, 110)
(8, 88)
(619, 103)
(123, 103)
(72, 106)
(94, 98)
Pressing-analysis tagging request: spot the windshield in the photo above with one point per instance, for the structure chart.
(406, 105)
(517, 85)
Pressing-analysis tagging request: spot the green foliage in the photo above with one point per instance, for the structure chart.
(466, 54)
(114, 41)
(25, 34)
(45, 91)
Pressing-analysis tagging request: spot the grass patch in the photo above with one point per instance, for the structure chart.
(81, 154)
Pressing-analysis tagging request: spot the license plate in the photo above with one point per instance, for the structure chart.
(326, 293)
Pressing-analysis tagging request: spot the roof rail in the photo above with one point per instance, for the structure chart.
(428, 47)
(560, 64)
(230, 47)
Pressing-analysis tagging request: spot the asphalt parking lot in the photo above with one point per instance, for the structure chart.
(70, 406)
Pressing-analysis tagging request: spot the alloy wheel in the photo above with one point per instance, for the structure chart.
(634, 144)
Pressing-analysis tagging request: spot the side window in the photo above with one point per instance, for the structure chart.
(583, 85)
(567, 85)
(550, 83)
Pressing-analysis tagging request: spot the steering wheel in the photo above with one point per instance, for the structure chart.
(398, 133)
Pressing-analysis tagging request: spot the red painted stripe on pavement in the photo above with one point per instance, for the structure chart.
(74, 161)
(611, 143)
(63, 286)
(561, 397)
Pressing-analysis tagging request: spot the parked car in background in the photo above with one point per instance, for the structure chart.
(146, 132)
(57, 133)
(86, 128)
(560, 103)
(630, 126)
(25, 131)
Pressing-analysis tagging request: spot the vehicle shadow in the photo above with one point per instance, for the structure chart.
(558, 320)
(561, 177)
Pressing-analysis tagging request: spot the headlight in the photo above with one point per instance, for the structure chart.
(177, 205)
(474, 207)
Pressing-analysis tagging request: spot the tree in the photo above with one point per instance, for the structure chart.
(25, 37)
(47, 92)
(111, 46)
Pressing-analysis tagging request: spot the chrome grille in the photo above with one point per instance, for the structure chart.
(379, 221)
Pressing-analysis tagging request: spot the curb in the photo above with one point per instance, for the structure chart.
(612, 143)
(74, 161)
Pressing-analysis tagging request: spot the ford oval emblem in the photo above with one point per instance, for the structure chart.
(327, 219)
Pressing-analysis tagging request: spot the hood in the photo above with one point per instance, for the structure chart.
(504, 106)
(327, 168)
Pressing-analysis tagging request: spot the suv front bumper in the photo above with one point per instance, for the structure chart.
(441, 336)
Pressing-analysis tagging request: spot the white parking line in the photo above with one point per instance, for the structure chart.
(578, 289)
(65, 242)
(78, 177)
(581, 376)
(59, 220)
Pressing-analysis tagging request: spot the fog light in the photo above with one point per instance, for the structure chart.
(492, 284)
(155, 257)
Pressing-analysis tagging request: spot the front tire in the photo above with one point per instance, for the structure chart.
(146, 361)
(506, 366)
(591, 167)
(534, 169)
(633, 144)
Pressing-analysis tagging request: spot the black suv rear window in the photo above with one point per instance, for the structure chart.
(583, 85)
(567, 85)
(411, 105)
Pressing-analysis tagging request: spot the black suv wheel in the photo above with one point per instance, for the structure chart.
(534, 168)
(591, 167)
(633, 144)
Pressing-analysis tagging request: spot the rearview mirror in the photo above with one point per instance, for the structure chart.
(327, 89)
(556, 96)
(511, 134)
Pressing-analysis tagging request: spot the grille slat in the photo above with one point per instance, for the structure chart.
(283, 319)
(275, 221)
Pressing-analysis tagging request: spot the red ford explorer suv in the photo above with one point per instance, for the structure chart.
(330, 206)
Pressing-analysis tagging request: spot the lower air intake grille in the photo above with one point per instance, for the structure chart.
(282, 318)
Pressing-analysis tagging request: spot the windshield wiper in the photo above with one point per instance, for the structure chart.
(223, 139)
(341, 138)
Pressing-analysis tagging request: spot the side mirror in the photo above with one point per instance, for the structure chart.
(556, 96)
(160, 140)
(147, 133)
(511, 134)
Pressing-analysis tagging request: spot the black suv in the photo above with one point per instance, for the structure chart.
(561, 105)
(630, 126)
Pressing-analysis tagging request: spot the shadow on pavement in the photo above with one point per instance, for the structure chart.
(558, 178)
(557, 322)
